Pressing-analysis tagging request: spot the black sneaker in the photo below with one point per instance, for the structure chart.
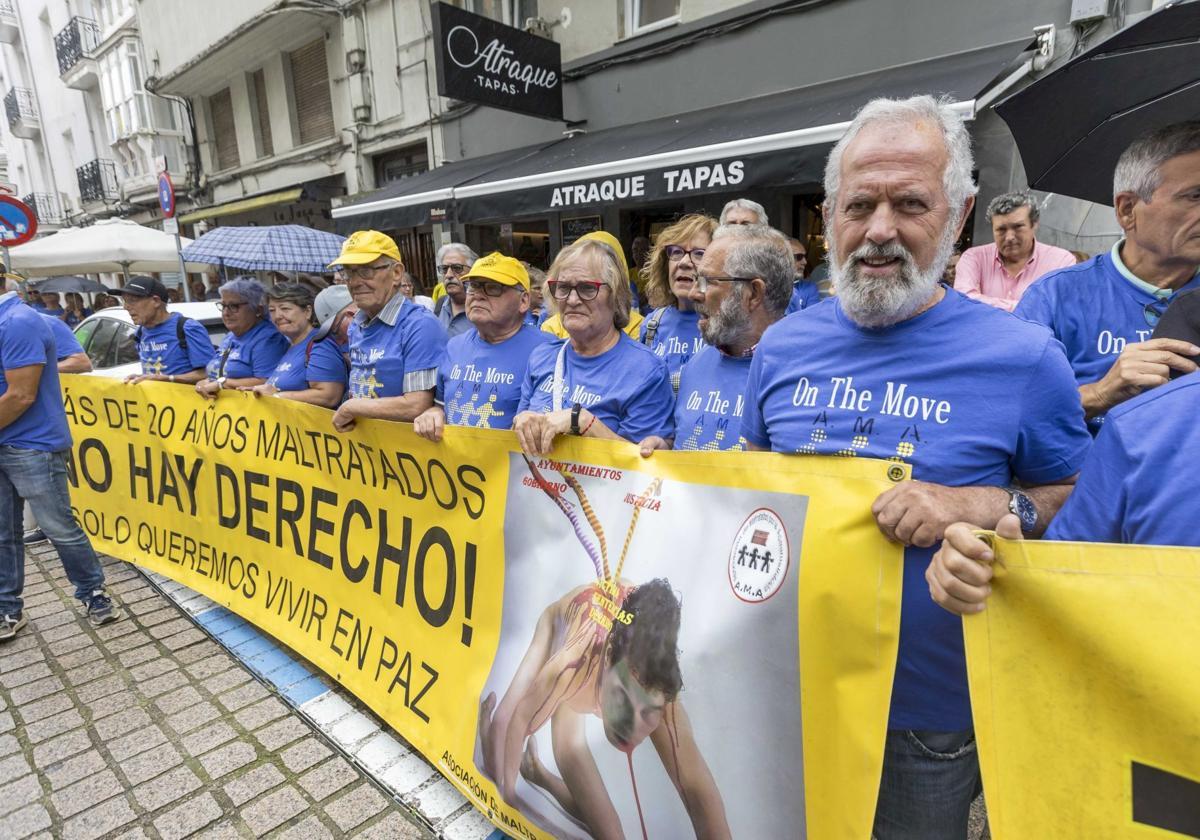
(10, 625)
(35, 536)
(100, 608)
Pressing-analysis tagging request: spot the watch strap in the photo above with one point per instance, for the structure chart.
(575, 409)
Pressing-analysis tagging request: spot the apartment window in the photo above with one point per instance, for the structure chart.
(261, 114)
(648, 15)
(310, 92)
(220, 112)
(400, 164)
(126, 104)
(512, 12)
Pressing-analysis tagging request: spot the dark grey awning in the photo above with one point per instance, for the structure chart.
(775, 140)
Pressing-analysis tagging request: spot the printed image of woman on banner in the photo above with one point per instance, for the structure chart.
(618, 660)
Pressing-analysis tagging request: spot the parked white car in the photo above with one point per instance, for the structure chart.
(108, 336)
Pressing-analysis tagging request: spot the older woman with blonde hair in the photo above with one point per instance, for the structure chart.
(598, 382)
(551, 321)
(672, 330)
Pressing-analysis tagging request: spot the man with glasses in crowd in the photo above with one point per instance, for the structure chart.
(804, 293)
(170, 347)
(743, 211)
(479, 382)
(1104, 310)
(395, 345)
(453, 261)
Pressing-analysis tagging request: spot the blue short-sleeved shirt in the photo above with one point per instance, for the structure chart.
(966, 393)
(65, 342)
(1142, 465)
(626, 387)
(160, 351)
(676, 340)
(253, 355)
(25, 340)
(404, 339)
(1095, 312)
(711, 401)
(479, 384)
(804, 295)
(299, 367)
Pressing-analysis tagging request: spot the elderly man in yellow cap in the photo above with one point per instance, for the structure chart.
(396, 345)
(553, 323)
(479, 383)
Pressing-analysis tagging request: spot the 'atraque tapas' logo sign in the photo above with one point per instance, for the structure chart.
(481, 60)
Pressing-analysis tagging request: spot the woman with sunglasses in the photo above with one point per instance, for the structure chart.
(599, 382)
(312, 370)
(253, 347)
(672, 330)
(479, 382)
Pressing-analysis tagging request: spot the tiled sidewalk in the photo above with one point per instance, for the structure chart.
(147, 728)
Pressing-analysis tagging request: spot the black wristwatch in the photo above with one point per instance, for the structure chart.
(1025, 509)
(575, 409)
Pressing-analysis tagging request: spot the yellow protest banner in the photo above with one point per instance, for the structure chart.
(1085, 686)
(587, 645)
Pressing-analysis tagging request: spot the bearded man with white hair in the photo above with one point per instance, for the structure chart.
(981, 404)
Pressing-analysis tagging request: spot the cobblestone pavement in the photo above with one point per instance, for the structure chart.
(147, 728)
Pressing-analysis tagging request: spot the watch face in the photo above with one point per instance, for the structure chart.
(1025, 511)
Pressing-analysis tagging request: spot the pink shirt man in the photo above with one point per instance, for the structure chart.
(982, 275)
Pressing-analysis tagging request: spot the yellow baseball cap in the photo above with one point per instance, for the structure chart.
(364, 246)
(609, 240)
(504, 270)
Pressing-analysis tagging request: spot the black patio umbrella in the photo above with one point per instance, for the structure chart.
(1072, 124)
(69, 283)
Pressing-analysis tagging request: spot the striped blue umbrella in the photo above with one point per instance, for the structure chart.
(267, 248)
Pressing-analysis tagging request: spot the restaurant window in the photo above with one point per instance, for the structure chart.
(310, 92)
(264, 146)
(220, 111)
(647, 15)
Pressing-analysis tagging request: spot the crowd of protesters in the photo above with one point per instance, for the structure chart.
(1028, 390)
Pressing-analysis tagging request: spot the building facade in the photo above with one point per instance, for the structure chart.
(85, 139)
(676, 106)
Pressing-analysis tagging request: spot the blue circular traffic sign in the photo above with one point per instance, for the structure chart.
(166, 195)
(18, 222)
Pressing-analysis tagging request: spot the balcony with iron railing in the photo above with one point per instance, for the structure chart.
(47, 207)
(98, 181)
(22, 113)
(74, 46)
(10, 27)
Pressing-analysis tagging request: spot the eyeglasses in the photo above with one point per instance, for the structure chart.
(366, 272)
(1152, 313)
(703, 281)
(675, 253)
(800, 257)
(453, 268)
(585, 289)
(484, 287)
(230, 307)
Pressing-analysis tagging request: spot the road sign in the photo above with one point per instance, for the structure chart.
(170, 225)
(166, 195)
(18, 222)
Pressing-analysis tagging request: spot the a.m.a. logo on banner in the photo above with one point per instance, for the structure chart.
(481, 60)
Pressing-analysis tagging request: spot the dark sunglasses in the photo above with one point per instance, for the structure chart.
(453, 269)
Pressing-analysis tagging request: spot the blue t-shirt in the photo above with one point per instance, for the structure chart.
(299, 367)
(253, 355)
(1094, 312)
(1141, 467)
(73, 320)
(626, 387)
(804, 295)
(25, 340)
(479, 384)
(381, 355)
(65, 342)
(966, 393)
(676, 340)
(711, 401)
(160, 352)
